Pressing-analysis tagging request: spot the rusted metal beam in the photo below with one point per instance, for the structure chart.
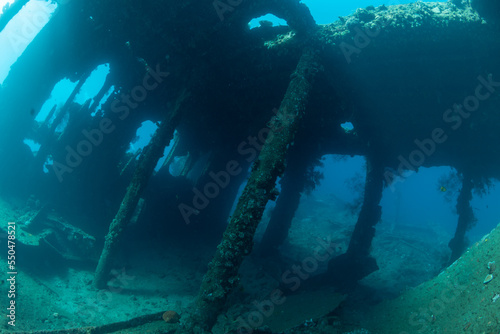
(237, 241)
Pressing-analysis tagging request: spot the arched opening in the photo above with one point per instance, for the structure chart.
(93, 84)
(266, 21)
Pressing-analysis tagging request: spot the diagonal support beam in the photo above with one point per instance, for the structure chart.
(237, 241)
(147, 162)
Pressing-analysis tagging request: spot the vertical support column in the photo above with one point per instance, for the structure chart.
(371, 211)
(465, 218)
(292, 184)
(356, 263)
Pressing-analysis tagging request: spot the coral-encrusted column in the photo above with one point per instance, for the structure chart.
(237, 240)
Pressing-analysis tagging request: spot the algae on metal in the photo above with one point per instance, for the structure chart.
(237, 241)
(147, 162)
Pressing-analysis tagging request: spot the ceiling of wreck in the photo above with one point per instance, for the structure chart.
(374, 62)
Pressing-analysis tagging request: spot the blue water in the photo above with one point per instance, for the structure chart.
(415, 201)
(328, 11)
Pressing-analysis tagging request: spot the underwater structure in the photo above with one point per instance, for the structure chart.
(268, 100)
